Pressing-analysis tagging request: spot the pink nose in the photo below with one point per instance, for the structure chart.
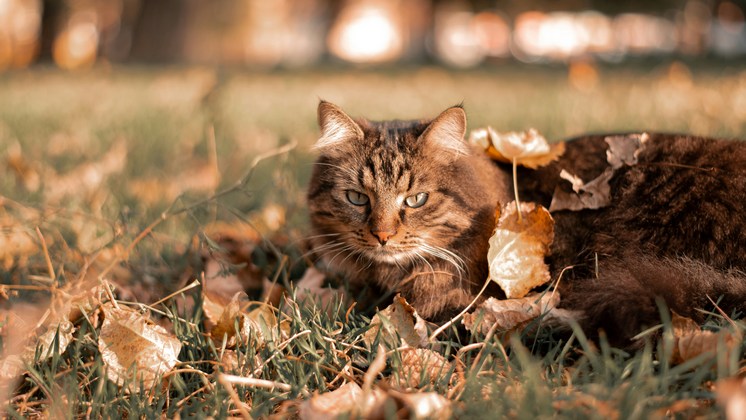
(383, 235)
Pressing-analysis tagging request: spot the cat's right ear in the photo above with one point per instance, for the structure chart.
(336, 126)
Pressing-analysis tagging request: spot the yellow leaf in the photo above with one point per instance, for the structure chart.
(130, 340)
(517, 249)
(528, 148)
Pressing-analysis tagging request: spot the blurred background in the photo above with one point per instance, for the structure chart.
(110, 110)
(304, 33)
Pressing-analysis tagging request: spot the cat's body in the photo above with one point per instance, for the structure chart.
(674, 227)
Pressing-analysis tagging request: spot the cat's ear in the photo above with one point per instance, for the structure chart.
(336, 126)
(447, 131)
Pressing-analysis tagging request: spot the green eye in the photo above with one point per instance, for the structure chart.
(357, 198)
(417, 200)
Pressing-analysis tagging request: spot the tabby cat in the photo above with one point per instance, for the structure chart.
(409, 206)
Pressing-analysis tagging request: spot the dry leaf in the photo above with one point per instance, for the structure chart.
(130, 340)
(89, 176)
(507, 314)
(421, 366)
(419, 405)
(225, 328)
(691, 341)
(517, 249)
(311, 288)
(401, 326)
(731, 395)
(261, 321)
(623, 150)
(528, 148)
(348, 400)
(595, 194)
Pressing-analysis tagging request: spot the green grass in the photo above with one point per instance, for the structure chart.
(166, 117)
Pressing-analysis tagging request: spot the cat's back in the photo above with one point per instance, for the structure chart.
(681, 196)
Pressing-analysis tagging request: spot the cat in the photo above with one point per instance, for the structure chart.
(409, 206)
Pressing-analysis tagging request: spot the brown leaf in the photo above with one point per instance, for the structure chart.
(691, 341)
(623, 150)
(89, 176)
(130, 340)
(595, 194)
(517, 249)
(421, 366)
(261, 321)
(731, 395)
(399, 325)
(507, 314)
(418, 405)
(348, 400)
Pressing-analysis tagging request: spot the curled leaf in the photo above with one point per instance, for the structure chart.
(347, 400)
(691, 341)
(528, 148)
(623, 150)
(507, 314)
(129, 340)
(517, 249)
(399, 325)
(595, 194)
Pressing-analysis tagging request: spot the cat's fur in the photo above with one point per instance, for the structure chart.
(674, 228)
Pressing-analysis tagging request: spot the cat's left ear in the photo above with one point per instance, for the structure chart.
(447, 131)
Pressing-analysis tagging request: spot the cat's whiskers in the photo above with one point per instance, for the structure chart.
(447, 256)
(324, 249)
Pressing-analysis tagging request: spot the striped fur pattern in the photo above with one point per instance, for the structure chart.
(674, 231)
(368, 224)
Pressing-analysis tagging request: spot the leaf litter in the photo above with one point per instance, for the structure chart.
(131, 342)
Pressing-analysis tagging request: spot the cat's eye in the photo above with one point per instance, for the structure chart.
(417, 200)
(357, 198)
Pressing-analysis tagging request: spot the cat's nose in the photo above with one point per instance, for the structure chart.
(383, 235)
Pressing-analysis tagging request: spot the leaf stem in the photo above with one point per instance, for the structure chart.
(515, 190)
(457, 317)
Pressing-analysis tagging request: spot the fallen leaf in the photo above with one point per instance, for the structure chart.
(419, 405)
(528, 148)
(421, 366)
(261, 321)
(595, 194)
(89, 176)
(517, 249)
(507, 314)
(399, 325)
(130, 340)
(623, 150)
(311, 288)
(349, 400)
(731, 395)
(691, 341)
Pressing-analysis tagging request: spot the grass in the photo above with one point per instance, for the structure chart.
(192, 132)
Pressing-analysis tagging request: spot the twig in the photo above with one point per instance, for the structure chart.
(227, 384)
(257, 383)
(44, 248)
(457, 317)
(191, 285)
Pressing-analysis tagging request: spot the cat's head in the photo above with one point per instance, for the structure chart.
(396, 192)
